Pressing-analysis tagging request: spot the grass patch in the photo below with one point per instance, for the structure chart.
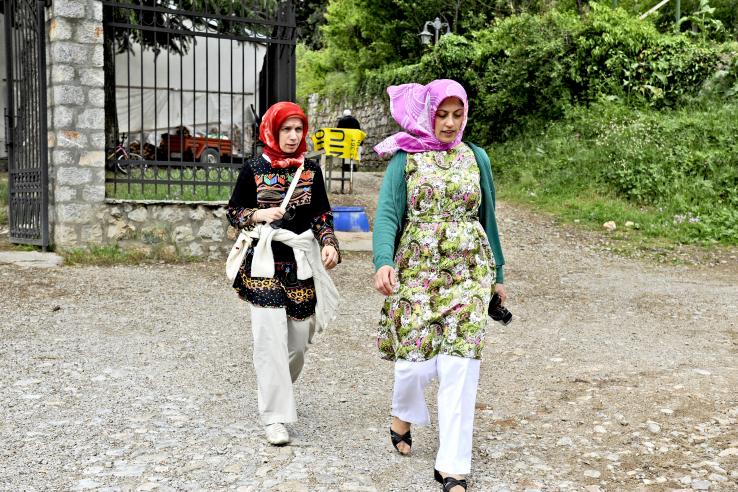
(171, 184)
(114, 255)
(674, 175)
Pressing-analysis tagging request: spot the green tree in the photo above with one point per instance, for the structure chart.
(310, 17)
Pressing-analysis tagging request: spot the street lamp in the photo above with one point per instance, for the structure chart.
(437, 25)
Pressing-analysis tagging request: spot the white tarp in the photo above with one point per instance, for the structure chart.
(170, 90)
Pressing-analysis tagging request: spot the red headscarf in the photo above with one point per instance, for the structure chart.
(269, 134)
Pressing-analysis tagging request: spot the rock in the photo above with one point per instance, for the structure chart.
(592, 474)
(702, 372)
(629, 223)
(121, 230)
(183, 234)
(729, 452)
(139, 215)
(292, 486)
(701, 484)
(232, 468)
(565, 441)
(87, 484)
(610, 225)
(600, 429)
(654, 428)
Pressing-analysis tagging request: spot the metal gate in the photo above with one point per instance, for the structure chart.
(186, 83)
(26, 139)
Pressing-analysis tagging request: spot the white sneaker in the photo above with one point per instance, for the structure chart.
(277, 434)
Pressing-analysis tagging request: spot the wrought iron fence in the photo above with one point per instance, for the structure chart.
(186, 81)
(26, 128)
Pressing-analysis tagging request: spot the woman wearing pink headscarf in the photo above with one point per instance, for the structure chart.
(438, 260)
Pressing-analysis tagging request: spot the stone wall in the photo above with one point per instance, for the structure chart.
(79, 214)
(76, 99)
(373, 115)
(186, 228)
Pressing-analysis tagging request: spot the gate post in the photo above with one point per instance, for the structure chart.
(76, 122)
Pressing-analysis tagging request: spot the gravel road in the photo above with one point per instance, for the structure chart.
(616, 374)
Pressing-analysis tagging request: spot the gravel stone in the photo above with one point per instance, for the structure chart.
(125, 377)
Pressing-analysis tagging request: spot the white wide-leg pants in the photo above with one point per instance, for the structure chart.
(280, 344)
(458, 378)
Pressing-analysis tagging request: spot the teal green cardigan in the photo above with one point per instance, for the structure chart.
(390, 218)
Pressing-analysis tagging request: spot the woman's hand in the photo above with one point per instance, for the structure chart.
(267, 215)
(385, 280)
(329, 256)
(500, 290)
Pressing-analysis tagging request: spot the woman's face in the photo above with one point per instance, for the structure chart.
(449, 117)
(290, 135)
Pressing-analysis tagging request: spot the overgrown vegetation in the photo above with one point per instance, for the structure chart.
(534, 67)
(591, 112)
(359, 37)
(673, 174)
(114, 255)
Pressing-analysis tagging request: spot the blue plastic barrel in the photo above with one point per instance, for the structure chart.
(350, 219)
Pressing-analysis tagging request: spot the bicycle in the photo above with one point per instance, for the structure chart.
(120, 153)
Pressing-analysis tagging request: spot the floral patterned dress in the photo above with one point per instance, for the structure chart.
(445, 266)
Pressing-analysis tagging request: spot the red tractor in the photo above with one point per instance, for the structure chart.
(205, 149)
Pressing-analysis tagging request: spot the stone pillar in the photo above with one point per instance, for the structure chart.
(76, 122)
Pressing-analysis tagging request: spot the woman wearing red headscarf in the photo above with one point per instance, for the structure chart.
(283, 306)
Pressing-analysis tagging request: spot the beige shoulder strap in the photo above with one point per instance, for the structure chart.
(292, 187)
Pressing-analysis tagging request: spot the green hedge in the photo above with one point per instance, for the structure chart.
(534, 67)
(681, 165)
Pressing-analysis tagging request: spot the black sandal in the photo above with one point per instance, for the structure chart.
(448, 483)
(397, 439)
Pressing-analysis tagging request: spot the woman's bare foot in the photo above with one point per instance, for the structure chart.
(401, 427)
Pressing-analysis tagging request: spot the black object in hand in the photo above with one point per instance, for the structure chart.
(289, 214)
(497, 311)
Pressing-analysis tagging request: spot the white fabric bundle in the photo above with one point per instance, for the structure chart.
(307, 257)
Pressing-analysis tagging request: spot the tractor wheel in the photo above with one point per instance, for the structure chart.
(210, 156)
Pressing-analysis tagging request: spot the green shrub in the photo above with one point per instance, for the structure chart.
(674, 170)
(535, 67)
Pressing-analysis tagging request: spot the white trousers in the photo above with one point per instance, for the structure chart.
(458, 378)
(280, 344)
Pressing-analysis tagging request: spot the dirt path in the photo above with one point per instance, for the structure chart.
(616, 374)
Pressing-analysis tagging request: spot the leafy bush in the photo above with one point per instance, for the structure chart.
(534, 67)
(682, 166)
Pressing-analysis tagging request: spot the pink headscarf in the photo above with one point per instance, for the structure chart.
(414, 107)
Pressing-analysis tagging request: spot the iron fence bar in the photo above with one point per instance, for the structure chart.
(181, 111)
(42, 122)
(184, 32)
(169, 90)
(266, 21)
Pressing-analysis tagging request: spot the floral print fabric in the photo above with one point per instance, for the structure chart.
(444, 263)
